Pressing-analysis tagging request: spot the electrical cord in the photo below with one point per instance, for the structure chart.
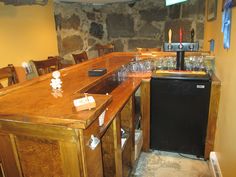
(191, 157)
(188, 156)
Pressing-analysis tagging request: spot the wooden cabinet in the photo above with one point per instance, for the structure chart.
(36, 150)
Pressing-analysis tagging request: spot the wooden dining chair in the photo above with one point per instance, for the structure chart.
(80, 57)
(8, 73)
(104, 49)
(46, 66)
(58, 57)
(148, 49)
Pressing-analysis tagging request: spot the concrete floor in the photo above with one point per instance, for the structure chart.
(166, 164)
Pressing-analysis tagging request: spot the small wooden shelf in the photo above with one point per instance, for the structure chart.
(118, 157)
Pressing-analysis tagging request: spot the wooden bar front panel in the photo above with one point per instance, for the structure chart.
(212, 116)
(145, 112)
(39, 157)
(43, 152)
(109, 149)
(92, 158)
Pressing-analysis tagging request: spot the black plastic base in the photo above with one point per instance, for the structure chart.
(180, 60)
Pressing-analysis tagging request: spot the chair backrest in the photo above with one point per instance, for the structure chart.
(104, 49)
(80, 57)
(46, 66)
(58, 57)
(148, 49)
(8, 73)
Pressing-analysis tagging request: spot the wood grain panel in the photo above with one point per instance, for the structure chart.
(127, 158)
(127, 122)
(212, 117)
(7, 157)
(92, 164)
(46, 131)
(94, 161)
(145, 112)
(2, 173)
(127, 114)
(116, 124)
(71, 159)
(108, 152)
(111, 148)
(39, 157)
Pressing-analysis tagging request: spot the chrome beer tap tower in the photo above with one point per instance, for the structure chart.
(180, 48)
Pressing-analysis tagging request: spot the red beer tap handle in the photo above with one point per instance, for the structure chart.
(180, 36)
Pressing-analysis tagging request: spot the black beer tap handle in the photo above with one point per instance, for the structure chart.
(192, 35)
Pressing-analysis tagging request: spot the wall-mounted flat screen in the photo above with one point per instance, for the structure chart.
(171, 2)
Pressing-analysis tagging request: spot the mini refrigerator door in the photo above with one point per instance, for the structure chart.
(179, 113)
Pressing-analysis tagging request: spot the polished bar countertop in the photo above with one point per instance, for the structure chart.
(33, 102)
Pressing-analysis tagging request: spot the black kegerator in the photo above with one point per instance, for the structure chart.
(179, 112)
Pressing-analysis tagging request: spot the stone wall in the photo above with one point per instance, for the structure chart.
(144, 23)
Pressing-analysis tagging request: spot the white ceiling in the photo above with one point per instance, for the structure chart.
(96, 1)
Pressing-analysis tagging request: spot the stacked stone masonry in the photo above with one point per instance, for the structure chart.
(142, 23)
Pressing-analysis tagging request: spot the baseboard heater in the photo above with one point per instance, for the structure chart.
(214, 165)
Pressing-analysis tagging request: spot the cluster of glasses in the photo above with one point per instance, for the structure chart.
(165, 63)
(140, 66)
(198, 63)
(122, 73)
(192, 63)
(136, 66)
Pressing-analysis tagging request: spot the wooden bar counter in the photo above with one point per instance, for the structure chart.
(43, 135)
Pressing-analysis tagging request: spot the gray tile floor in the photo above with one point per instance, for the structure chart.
(166, 164)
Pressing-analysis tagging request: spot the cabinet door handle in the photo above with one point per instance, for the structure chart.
(1, 170)
(93, 142)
